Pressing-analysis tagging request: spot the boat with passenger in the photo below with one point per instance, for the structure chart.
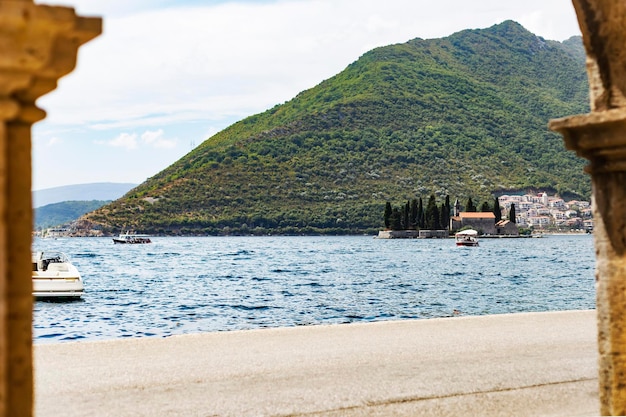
(55, 276)
(467, 237)
(131, 238)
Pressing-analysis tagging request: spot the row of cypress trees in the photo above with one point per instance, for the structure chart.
(413, 216)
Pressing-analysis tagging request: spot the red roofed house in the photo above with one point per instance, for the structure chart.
(483, 222)
(507, 228)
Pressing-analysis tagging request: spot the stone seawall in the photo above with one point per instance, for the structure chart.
(412, 234)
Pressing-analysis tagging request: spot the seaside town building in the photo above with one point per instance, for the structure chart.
(541, 211)
(507, 228)
(535, 211)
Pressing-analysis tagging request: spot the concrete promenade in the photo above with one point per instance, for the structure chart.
(531, 364)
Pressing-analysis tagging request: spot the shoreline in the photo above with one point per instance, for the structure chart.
(364, 234)
(412, 234)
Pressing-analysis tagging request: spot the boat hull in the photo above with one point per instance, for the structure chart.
(55, 276)
(62, 288)
(467, 243)
(131, 239)
(466, 238)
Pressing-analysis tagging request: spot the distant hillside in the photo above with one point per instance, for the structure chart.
(81, 192)
(58, 214)
(464, 116)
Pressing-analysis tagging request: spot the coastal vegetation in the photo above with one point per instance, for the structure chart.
(464, 115)
(414, 216)
(60, 213)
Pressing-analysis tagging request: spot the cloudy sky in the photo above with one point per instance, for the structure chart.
(167, 74)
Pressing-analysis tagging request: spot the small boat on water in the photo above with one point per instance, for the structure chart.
(466, 238)
(55, 276)
(131, 238)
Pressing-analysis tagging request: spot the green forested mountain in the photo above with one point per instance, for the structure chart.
(464, 116)
(57, 214)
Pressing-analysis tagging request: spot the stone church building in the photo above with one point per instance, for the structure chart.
(483, 222)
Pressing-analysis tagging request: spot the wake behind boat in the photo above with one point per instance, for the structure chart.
(55, 276)
(131, 238)
(466, 238)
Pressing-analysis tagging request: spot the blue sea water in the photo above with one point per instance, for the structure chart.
(179, 285)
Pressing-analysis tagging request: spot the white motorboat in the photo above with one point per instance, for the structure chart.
(131, 238)
(55, 276)
(466, 238)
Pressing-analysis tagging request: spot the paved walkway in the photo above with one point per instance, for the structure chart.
(536, 364)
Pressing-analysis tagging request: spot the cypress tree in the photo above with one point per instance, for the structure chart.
(445, 219)
(406, 213)
(387, 215)
(485, 207)
(432, 214)
(414, 221)
(512, 213)
(420, 214)
(470, 205)
(396, 219)
(497, 211)
(442, 217)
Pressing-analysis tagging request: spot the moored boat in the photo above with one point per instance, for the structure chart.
(131, 238)
(467, 237)
(55, 276)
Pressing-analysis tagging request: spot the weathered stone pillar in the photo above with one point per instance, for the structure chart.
(601, 138)
(38, 45)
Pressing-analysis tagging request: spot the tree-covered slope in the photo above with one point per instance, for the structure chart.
(57, 214)
(462, 116)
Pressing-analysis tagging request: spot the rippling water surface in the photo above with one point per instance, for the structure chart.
(188, 285)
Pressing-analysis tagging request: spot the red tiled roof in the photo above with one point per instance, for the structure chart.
(480, 215)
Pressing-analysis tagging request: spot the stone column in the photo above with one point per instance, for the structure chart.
(38, 45)
(600, 137)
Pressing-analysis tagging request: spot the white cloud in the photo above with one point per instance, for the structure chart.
(155, 138)
(547, 21)
(150, 138)
(236, 59)
(123, 140)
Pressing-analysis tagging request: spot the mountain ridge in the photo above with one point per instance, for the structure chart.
(105, 191)
(464, 115)
(59, 214)
(61, 205)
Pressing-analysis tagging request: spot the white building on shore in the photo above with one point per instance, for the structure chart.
(542, 211)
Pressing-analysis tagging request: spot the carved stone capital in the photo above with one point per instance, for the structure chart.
(599, 137)
(39, 45)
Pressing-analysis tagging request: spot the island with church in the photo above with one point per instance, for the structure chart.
(519, 215)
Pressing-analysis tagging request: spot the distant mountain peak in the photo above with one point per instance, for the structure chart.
(508, 27)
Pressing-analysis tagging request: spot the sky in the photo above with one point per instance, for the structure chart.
(165, 75)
